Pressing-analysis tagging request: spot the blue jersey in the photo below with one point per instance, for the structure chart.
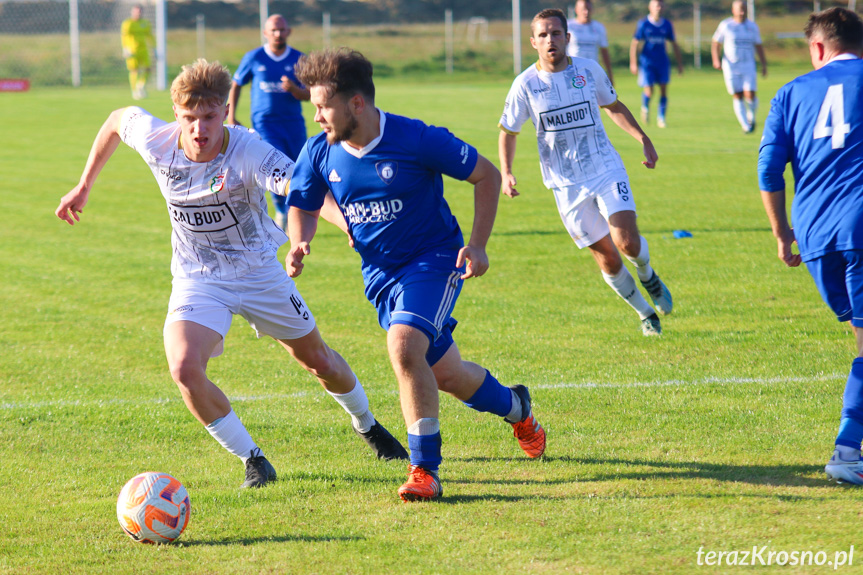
(390, 192)
(654, 36)
(816, 123)
(272, 107)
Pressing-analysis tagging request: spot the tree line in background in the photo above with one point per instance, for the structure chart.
(53, 16)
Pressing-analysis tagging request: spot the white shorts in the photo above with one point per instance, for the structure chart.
(739, 78)
(266, 297)
(585, 209)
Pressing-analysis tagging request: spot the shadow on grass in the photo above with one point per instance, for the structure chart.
(642, 469)
(242, 541)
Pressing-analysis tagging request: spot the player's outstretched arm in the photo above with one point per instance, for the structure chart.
(506, 152)
(606, 61)
(298, 92)
(774, 205)
(302, 226)
(763, 58)
(486, 192)
(714, 54)
(104, 145)
(633, 56)
(679, 57)
(332, 213)
(621, 116)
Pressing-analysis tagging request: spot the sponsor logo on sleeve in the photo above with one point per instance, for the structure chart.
(203, 219)
(567, 118)
(387, 171)
(271, 161)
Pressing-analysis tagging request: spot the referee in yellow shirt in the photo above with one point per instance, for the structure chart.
(136, 37)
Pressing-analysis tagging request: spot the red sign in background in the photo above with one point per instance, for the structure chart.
(14, 85)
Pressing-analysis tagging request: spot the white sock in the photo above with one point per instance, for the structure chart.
(425, 426)
(740, 112)
(356, 403)
(642, 262)
(230, 432)
(751, 107)
(624, 286)
(515, 414)
(848, 453)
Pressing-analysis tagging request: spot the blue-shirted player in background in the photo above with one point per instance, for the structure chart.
(816, 123)
(384, 172)
(652, 65)
(276, 110)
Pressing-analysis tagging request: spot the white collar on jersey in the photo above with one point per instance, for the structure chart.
(371, 145)
(655, 22)
(273, 56)
(845, 56)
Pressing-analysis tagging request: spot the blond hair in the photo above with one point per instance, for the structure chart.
(203, 82)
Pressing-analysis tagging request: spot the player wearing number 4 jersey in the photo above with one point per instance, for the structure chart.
(214, 180)
(563, 97)
(816, 123)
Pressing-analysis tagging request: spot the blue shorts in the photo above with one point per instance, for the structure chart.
(654, 74)
(423, 296)
(839, 277)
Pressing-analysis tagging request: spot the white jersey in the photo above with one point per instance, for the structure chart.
(585, 40)
(738, 42)
(564, 107)
(221, 230)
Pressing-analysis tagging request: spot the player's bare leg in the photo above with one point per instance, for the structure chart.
(418, 394)
(845, 466)
(750, 103)
(188, 347)
(740, 112)
(336, 376)
(624, 232)
(663, 105)
(621, 281)
(646, 95)
(478, 389)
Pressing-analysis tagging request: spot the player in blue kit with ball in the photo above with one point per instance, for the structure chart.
(816, 123)
(653, 65)
(276, 107)
(384, 172)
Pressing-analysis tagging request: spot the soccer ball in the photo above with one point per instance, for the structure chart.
(153, 508)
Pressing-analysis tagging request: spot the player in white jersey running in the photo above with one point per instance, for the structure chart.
(739, 39)
(562, 97)
(214, 181)
(587, 37)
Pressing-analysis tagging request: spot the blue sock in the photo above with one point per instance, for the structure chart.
(851, 426)
(663, 105)
(425, 451)
(491, 397)
(645, 100)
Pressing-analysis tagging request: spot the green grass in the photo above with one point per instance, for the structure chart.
(713, 436)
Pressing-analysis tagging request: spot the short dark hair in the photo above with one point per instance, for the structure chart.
(550, 13)
(342, 71)
(839, 27)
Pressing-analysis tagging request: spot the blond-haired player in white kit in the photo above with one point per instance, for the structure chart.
(587, 37)
(214, 181)
(562, 97)
(739, 39)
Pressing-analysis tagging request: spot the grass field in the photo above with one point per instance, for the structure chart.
(710, 438)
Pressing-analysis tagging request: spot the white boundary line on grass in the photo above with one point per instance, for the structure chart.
(586, 385)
